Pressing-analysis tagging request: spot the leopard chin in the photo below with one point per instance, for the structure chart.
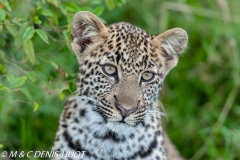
(119, 127)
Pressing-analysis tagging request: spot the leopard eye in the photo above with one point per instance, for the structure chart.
(147, 76)
(109, 70)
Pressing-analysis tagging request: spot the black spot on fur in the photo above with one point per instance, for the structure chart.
(80, 131)
(141, 138)
(131, 136)
(90, 102)
(110, 136)
(64, 125)
(82, 112)
(89, 65)
(118, 56)
(75, 106)
(68, 139)
(76, 120)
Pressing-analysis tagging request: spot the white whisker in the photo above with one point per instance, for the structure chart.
(154, 112)
(151, 112)
(161, 105)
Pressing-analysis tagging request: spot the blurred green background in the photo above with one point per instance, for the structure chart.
(201, 95)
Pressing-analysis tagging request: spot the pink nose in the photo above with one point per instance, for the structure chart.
(125, 112)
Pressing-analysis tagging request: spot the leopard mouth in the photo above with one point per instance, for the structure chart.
(122, 121)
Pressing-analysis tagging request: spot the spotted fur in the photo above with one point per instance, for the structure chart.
(117, 117)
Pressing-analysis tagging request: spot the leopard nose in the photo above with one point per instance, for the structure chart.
(126, 112)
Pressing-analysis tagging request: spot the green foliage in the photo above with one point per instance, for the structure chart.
(37, 68)
(201, 95)
(16, 82)
(29, 50)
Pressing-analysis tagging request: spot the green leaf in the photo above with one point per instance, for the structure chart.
(2, 87)
(36, 20)
(71, 86)
(16, 82)
(99, 10)
(41, 76)
(66, 34)
(45, 12)
(29, 33)
(54, 2)
(31, 76)
(2, 40)
(29, 50)
(110, 4)
(35, 106)
(19, 37)
(6, 5)
(10, 27)
(54, 65)
(42, 34)
(2, 54)
(1, 28)
(120, 2)
(2, 14)
(61, 96)
(2, 69)
(64, 93)
(1, 146)
(63, 10)
(71, 6)
(39, 5)
(27, 94)
(95, 2)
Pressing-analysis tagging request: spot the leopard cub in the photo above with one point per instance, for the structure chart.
(114, 113)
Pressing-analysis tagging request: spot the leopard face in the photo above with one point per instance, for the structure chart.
(122, 67)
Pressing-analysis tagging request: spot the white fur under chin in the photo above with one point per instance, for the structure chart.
(96, 133)
(119, 127)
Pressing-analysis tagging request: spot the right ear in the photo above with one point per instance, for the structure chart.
(87, 31)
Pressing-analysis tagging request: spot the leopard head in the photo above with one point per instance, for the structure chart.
(122, 66)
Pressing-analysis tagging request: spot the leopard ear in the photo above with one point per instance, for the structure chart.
(171, 43)
(87, 31)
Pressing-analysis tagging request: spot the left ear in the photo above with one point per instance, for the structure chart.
(171, 43)
(87, 31)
